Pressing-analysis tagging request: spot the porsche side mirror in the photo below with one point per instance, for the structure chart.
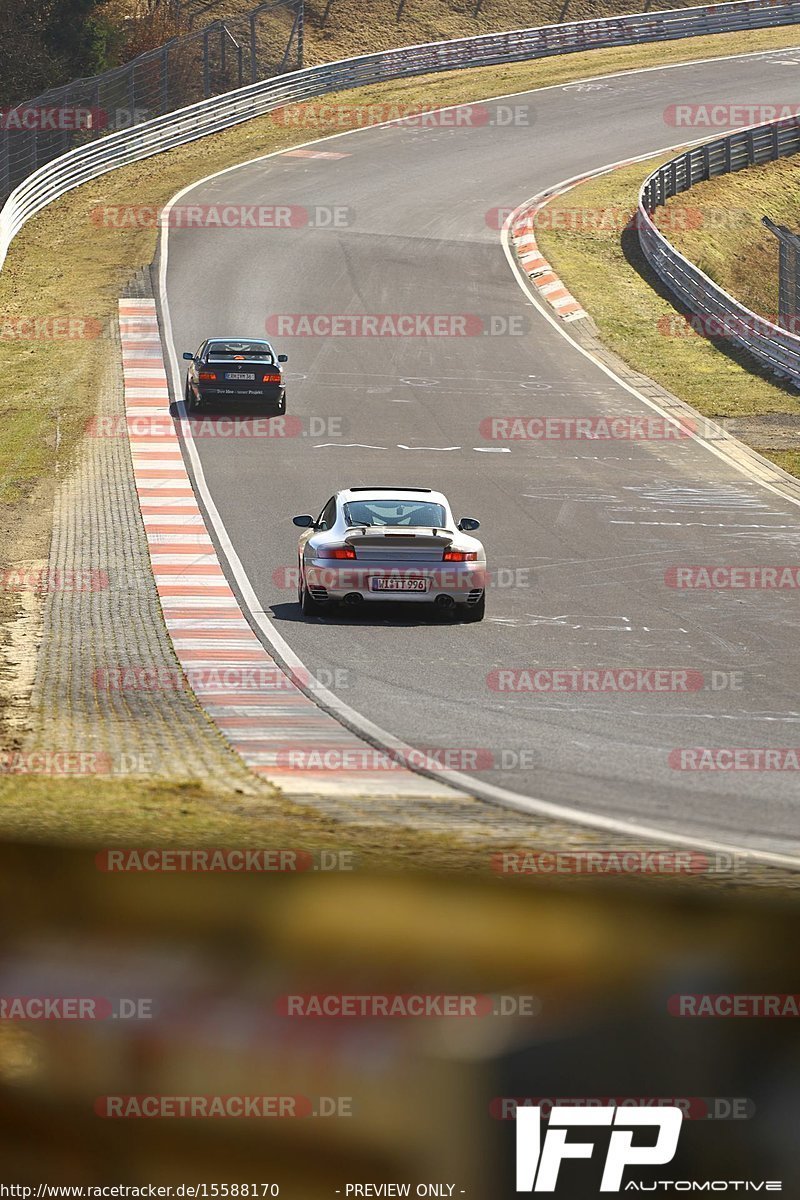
(467, 524)
(305, 522)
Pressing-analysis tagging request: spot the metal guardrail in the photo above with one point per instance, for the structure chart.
(721, 315)
(221, 112)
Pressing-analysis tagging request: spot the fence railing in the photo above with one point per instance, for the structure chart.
(192, 67)
(720, 315)
(217, 113)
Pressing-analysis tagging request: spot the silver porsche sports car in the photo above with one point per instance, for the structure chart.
(389, 543)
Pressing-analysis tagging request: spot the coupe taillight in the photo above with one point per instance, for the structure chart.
(460, 556)
(273, 377)
(336, 552)
(209, 375)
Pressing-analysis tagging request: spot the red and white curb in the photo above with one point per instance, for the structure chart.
(538, 269)
(281, 734)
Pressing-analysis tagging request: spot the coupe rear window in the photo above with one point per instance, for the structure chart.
(395, 512)
(252, 351)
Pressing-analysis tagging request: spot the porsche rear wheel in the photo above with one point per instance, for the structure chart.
(475, 612)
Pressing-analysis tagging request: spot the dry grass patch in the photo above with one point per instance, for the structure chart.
(606, 271)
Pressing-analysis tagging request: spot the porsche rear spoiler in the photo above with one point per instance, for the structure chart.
(392, 536)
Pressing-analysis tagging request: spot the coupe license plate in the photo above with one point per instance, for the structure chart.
(399, 585)
(239, 375)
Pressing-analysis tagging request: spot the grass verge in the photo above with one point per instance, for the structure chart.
(134, 812)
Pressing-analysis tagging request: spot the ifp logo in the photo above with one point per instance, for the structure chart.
(538, 1161)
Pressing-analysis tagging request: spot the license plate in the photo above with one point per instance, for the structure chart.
(399, 585)
(238, 375)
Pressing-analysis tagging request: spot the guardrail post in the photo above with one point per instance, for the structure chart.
(132, 90)
(301, 21)
(788, 277)
(401, 5)
(5, 174)
(165, 79)
(206, 67)
(253, 61)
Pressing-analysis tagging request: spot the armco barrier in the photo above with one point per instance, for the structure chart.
(721, 314)
(221, 112)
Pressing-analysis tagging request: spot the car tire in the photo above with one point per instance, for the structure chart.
(189, 399)
(281, 409)
(474, 612)
(309, 607)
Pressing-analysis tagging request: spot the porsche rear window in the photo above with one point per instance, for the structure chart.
(395, 512)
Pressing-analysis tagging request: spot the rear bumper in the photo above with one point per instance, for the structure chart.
(268, 395)
(462, 582)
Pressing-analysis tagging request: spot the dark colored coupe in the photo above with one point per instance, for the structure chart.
(231, 369)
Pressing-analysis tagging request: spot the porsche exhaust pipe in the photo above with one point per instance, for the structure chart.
(446, 602)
